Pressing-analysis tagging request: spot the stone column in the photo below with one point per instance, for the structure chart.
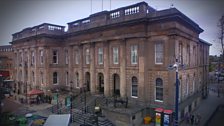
(142, 71)
(92, 69)
(81, 72)
(106, 60)
(47, 73)
(123, 68)
(70, 67)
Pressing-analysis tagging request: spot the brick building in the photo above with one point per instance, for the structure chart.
(125, 51)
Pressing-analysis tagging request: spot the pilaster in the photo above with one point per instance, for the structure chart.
(123, 68)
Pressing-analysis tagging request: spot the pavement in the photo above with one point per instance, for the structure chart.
(207, 107)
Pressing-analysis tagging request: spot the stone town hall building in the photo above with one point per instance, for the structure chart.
(125, 51)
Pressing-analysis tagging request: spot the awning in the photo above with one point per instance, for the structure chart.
(35, 92)
(58, 120)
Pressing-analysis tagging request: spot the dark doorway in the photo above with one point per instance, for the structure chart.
(101, 83)
(116, 81)
(87, 81)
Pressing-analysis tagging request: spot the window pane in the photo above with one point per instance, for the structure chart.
(87, 56)
(66, 56)
(134, 86)
(159, 89)
(55, 78)
(100, 56)
(115, 55)
(77, 57)
(159, 53)
(55, 56)
(134, 54)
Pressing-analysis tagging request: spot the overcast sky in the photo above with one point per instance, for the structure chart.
(16, 15)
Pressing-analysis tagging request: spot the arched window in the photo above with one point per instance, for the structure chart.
(159, 89)
(55, 78)
(134, 87)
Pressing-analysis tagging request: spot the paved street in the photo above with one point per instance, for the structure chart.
(208, 107)
(10, 105)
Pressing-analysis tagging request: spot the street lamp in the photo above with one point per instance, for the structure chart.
(85, 96)
(57, 100)
(176, 67)
(71, 99)
(97, 112)
(1, 94)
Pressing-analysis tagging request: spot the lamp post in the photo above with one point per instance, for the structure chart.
(57, 100)
(85, 96)
(71, 99)
(176, 67)
(1, 95)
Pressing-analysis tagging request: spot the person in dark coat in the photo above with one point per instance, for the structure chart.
(192, 119)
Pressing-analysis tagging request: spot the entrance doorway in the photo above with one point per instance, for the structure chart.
(101, 83)
(87, 81)
(116, 81)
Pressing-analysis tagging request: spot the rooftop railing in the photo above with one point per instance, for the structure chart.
(40, 29)
(132, 12)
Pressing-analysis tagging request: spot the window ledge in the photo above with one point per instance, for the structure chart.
(134, 97)
(159, 101)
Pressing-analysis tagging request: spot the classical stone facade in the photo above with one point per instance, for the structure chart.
(124, 52)
(6, 62)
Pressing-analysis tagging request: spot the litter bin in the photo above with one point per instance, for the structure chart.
(147, 120)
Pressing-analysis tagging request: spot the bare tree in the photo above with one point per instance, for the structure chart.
(221, 34)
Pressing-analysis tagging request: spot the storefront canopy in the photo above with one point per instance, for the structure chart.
(34, 92)
(58, 120)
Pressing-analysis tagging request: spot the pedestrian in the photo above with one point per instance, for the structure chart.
(198, 118)
(192, 119)
(50, 98)
(187, 117)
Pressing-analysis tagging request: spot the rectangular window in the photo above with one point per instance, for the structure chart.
(33, 76)
(87, 56)
(55, 78)
(21, 59)
(115, 55)
(77, 57)
(134, 54)
(66, 56)
(100, 55)
(41, 56)
(33, 58)
(181, 53)
(159, 53)
(188, 55)
(55, 57)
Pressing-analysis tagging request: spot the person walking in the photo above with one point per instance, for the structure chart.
(192, 119)
(187, 117)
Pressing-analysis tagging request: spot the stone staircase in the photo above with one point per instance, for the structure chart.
(79, 115)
